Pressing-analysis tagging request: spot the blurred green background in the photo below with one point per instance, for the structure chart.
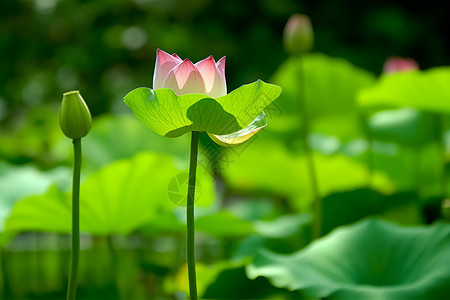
(370, 160)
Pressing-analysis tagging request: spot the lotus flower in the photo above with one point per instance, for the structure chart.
(183, 77)
(204, 77)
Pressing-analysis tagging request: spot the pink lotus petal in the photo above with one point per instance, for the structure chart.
(221, 65)
(215, 82)
(164, 63)
(219, 87)
(220, 83)
(399, 64)
(183, 70)
(207, 68)
(176, 56)
(185, 78)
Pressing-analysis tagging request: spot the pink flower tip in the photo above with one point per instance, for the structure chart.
(396, 64)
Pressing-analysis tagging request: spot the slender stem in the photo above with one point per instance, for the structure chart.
(72, 288)
(190, 216)
(317, 201)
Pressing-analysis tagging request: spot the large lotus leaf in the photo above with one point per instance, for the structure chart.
(254, 209)
(343, 208)
(330, 84)
(171, 115)
(344, 126)
(409, 168)
(285, 234)
(406, 126)
(118, 199)
(282, 173)
(372, 259)
(330, 88)
(283, 226)
(17, 182)
(163, 223)
(426, 90)
(116, 137)
(223, 224)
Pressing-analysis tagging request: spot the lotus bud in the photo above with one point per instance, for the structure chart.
(183, 77)
(75, 118)
(298, 36)
(399, 64)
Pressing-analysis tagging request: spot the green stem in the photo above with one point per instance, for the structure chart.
(317, 201)
(72, 288)
(190, 216)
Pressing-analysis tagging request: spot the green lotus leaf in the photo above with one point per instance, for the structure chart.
(345, 207)
(121, 197)
(426, 90)
(372, 259)
(172, 115)
(330, 88)
(330, 84)
(280, 173)
(223, 224)
(283, 226)
(243, 135)
(18, 182)
(115, 137)
(406, 126)
(254, 208)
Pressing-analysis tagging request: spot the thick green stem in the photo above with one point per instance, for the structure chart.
(72, 288)
(317, 201)
(190, 217)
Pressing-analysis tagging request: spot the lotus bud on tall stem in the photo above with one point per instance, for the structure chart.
(75, 122)
(298, 39)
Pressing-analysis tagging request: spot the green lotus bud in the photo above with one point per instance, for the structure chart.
(298, 36)
(75, 118)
